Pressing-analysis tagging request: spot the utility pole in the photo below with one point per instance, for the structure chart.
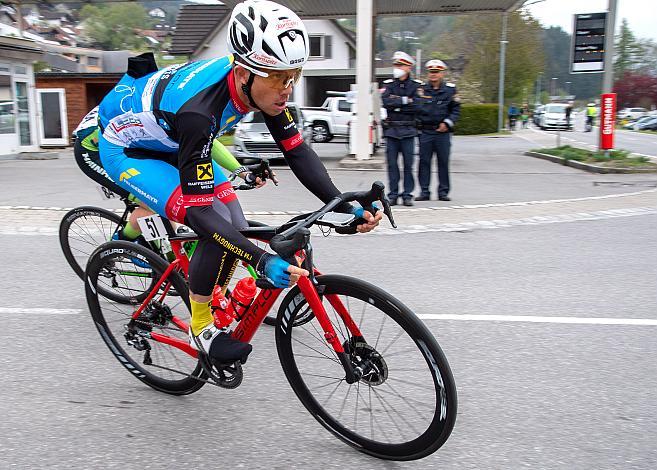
(608, 78)
(500, 96)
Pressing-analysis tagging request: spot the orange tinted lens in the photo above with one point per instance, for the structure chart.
(282, 80)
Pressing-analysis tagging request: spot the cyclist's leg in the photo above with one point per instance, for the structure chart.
(91, 165)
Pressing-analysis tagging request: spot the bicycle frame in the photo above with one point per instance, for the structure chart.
(256, 313)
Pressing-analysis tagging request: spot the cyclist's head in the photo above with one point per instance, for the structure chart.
(270, 46)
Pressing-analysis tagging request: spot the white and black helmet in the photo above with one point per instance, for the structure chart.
(267, 35)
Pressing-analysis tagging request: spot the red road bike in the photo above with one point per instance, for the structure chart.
(357, 358)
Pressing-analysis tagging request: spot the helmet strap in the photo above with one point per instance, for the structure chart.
(246, 88)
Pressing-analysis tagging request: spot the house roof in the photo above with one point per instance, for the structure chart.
(193, 24)
(344, 8)
(196, 24)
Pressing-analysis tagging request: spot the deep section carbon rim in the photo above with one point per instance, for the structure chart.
(404, 406)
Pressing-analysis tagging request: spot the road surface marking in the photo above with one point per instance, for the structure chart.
(531, 319)
(39, 311)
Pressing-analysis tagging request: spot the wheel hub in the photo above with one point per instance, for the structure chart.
(369, 363)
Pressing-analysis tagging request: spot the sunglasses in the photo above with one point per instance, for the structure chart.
(436, 71)
(277, 79)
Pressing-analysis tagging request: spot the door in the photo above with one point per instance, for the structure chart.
(8, 138)
(342, 116)
(53, 129)
(25, 138)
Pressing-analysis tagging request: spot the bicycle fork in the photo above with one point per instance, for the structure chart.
(352, 375)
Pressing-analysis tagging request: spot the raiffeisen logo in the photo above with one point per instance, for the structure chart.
(264, 59)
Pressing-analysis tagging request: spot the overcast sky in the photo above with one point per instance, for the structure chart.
(641, 15)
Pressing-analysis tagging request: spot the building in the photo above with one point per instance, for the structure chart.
(19, 128)
(201, 33)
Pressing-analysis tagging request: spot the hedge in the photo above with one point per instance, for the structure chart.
(477, 119)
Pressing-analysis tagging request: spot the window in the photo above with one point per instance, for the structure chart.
(321, 47)
(344, 105)
(20, 70)
(93, 61)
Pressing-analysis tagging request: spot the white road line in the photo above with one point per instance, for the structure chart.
(39, 311)
(530, 319)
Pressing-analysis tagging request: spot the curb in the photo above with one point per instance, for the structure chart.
(587, 166)
(350, 162)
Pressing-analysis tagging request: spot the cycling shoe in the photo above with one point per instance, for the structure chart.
(219, 346)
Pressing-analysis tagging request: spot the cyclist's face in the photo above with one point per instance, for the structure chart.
(272, 93)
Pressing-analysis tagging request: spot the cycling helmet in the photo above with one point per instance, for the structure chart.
(264, 34)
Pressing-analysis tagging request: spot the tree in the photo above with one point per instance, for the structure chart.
(636, 89)
(478, 39)
(111, 27)
(628, 52)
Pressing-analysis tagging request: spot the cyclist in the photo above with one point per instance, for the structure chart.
(158, 132)
(86, 155)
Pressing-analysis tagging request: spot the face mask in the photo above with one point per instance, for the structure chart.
(398, 73)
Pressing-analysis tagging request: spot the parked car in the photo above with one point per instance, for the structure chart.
(252, 140)
(329, 120)
(554, 117)
(630, 125)
(632, 113)
(649, 124)
(536, 117)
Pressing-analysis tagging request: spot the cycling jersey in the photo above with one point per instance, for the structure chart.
(173, 115)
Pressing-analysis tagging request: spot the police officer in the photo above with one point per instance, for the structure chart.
(439, 108)
(399, 99)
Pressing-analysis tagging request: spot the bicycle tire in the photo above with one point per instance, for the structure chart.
(114, 221)
(442, 416)
(156, 317)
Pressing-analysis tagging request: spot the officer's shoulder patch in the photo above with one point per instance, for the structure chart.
(390, 80)
(416, 80)
(450, 84)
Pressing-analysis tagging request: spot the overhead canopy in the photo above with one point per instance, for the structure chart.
(345, 8)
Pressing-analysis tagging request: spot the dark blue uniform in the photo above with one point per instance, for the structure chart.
(436, 105)
(400, 130)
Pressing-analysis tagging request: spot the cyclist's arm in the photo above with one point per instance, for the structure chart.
(197, 183)
(303, 161)
(223, 157)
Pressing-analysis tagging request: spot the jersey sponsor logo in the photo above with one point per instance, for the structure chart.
(193, 73)
(292, 142)
(225, 192)
(125, 122)
(231, 247)
(129, 173)
(288, 114)
(204, 171)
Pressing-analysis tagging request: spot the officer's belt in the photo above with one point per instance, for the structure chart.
(387, 123)
(426, 126)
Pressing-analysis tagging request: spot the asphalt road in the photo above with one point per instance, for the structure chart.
(550, 335)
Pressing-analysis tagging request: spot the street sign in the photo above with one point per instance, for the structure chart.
(587, 51)
(607, 120)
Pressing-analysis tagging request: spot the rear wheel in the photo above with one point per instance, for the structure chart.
(159, 365)
(404, 405)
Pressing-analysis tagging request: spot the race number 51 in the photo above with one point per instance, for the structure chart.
(152, 227)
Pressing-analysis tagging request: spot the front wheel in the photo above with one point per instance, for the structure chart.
(404, 405)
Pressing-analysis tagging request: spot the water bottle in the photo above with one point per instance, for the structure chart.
(221, 311)
(241, 298)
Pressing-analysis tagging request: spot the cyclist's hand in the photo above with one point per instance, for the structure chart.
(252, 179)
(281, 273)
(371, 221)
